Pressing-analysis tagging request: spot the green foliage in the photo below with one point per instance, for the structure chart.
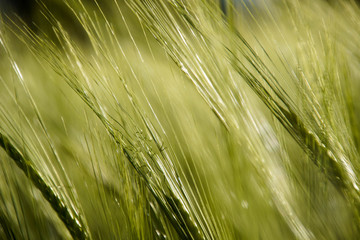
(171, 120)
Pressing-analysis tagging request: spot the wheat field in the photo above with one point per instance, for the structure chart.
(181, 119)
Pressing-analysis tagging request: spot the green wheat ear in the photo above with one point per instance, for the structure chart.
(73, 223)
(335, 164)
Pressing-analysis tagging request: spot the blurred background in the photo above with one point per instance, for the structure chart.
(29, 12)
(27, 9)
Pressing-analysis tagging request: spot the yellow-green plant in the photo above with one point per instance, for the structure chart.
(173, 120)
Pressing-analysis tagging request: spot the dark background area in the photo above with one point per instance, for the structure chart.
(21, 8)
(31, 14)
